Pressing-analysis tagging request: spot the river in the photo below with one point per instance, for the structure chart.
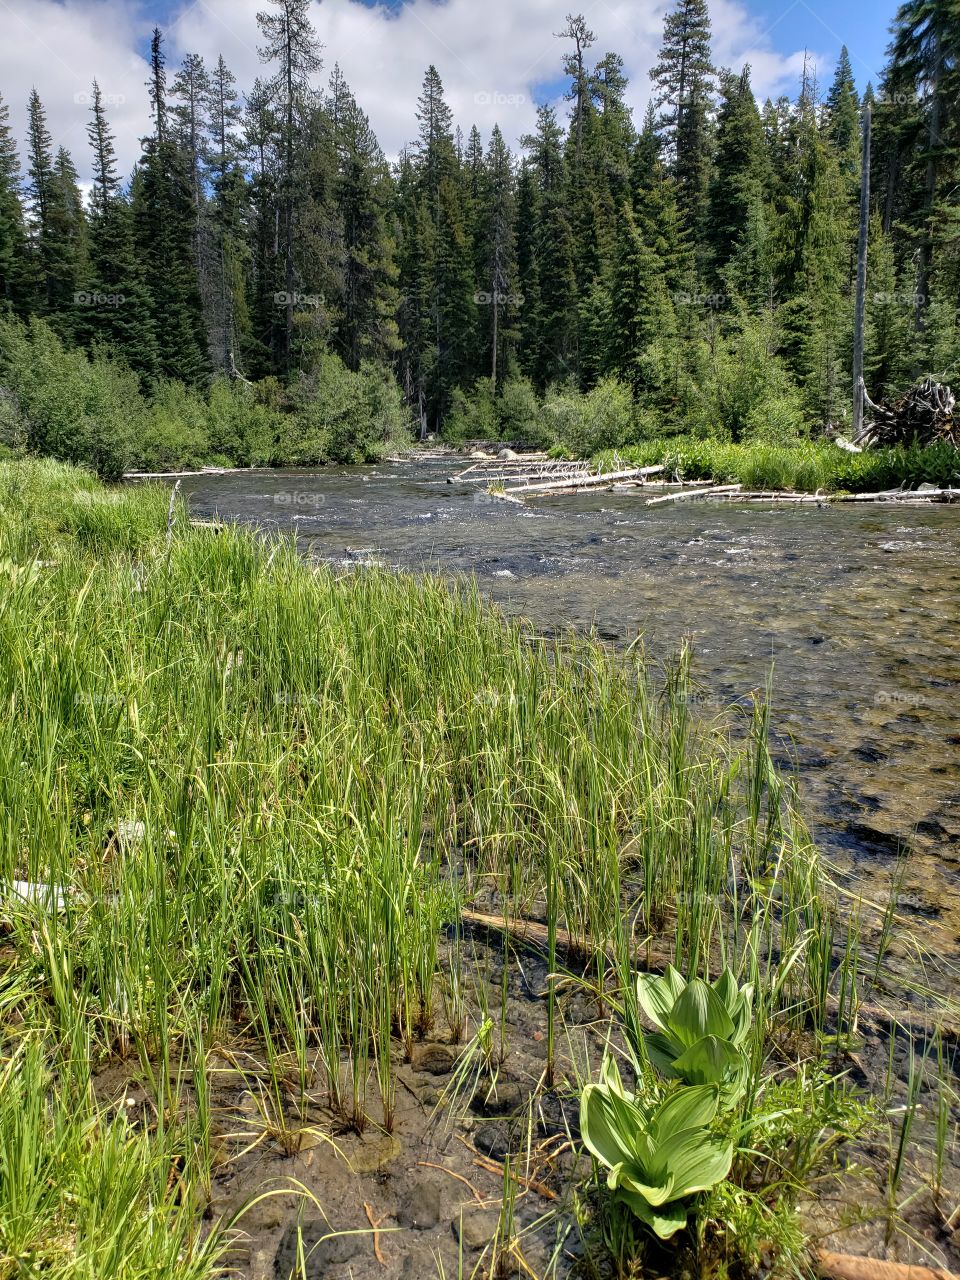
(855, 608)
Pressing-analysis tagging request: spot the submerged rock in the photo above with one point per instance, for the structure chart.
(475, 1228)
(321, 1250)
(421, 1204)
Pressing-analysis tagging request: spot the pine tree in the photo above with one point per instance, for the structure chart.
(638, 301)
(118, 311)
(925, 55)
(736, 211)
(13, 245)
(57, 226)
(574, 65)
(842, 119)
(227, 314)
(683, 79)
(164, 219)
(370, 297)
(292, 43)
(498, 266)
(558, 300)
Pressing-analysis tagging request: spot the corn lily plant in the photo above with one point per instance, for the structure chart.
(657, 1155)
(701, 1030)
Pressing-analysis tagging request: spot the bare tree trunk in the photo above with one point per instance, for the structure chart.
(858, 319)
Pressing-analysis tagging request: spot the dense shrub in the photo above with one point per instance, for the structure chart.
(69, 405)
(341, 416)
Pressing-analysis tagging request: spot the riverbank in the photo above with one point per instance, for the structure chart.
(267, 797)
(804, 467)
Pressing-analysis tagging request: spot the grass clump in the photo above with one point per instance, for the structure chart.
(805, 466)
(258, 794)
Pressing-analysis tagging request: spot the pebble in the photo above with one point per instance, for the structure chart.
(475, 1228)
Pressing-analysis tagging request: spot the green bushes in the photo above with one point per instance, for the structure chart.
(71, 406)
(340, 416)
(92, 411)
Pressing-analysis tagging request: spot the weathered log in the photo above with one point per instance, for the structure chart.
(585, 481)
(708, 491)
(846, 1266)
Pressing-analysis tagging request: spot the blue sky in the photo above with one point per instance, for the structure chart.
(497, 58)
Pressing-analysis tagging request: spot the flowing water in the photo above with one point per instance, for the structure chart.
(855, 608)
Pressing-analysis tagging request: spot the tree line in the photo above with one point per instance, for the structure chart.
(696, 267)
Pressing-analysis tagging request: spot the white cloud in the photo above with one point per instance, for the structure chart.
(494, 56)
(60, 49)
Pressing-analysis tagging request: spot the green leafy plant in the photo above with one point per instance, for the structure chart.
(658, 1155)
(701, 1030)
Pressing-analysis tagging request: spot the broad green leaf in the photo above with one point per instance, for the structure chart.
(698, 1163)
(657, 995)
(689, 1108)
(699, 1012)
(656, 1191)
(661, 1051)
(603, 1136)
(709, 1061)
(665, 1221)
(726, 988)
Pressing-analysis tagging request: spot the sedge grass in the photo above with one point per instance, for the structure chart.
(264, 791)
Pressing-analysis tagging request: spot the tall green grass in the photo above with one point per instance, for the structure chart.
(264, 790)
(805, 466)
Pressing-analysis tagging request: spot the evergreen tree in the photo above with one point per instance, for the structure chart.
(370, 300)
(842, 119)
(736, 211)
(12, 230)
(557, 301)
(117, 313)
(164, 217)
(683, 79)
(228, 319)
(292, 43)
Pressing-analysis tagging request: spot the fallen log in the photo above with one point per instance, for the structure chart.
(708, 491)
(905, 495)
(585, 481)
(658, 954)
(847, 1266)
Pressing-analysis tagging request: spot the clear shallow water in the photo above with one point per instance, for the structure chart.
(856, 608)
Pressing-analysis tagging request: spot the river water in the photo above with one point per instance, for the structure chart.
(856, 608)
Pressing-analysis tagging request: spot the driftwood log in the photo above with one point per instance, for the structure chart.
(925, 415)
(658, 954)
(846, 1266)
(575, 481)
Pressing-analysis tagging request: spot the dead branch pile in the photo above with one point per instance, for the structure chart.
(925, 415)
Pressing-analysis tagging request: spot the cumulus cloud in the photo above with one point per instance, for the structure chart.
(497, 58)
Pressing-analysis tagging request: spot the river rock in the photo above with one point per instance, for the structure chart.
(320, 1253)
(506, 455)
(493, 1139)
(436, 1059)
(372, 1156)
(421, 1204)
(506, 1099)
(418, 1261)
(475, 1228)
